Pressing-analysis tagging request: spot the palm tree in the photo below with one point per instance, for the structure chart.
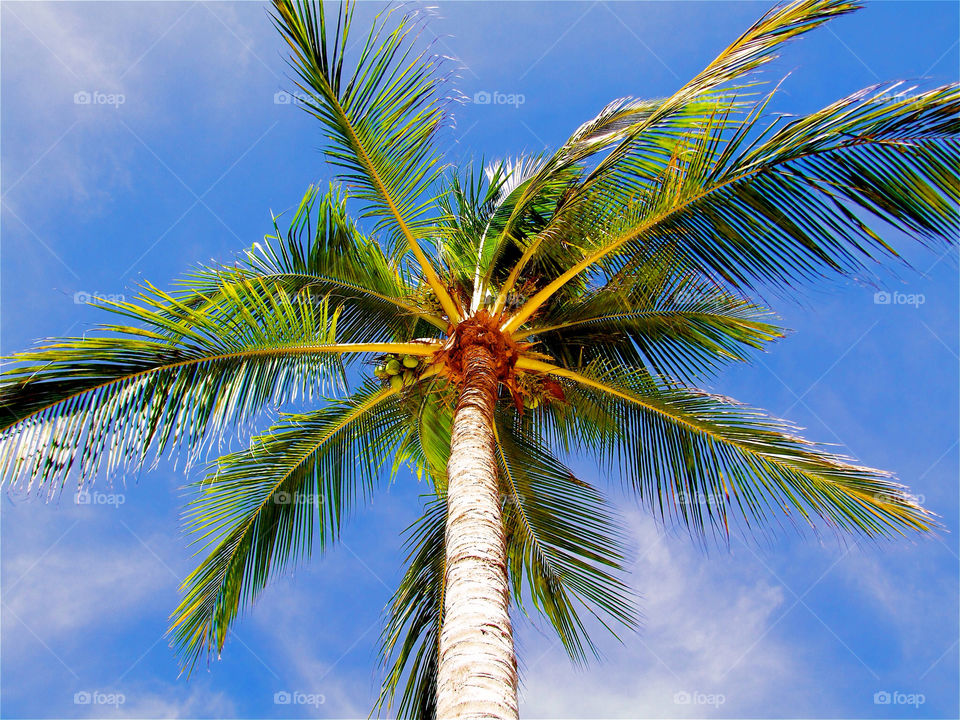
(568, 304)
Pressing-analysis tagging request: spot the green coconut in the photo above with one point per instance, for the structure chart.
(393, 367)
(381, 372)
(396, 382)
(410, 361)
(409, 377)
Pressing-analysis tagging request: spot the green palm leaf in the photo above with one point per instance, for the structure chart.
(323, 254)
(262, 508)
(565, 546)
(655, 317)
(409, 641)
(698, 458)
(178, 377)
(381, 119)
(794, 204)
(645, 131)
(167, 381)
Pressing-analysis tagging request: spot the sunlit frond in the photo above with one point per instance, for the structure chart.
(323, 254)
(381, 118)
(655, 317)
(262, 508)
(177, 377)
(792, 205)
(699, 458)
(166, 381)
(646, 131)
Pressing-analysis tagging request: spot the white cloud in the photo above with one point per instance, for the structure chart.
(918, 601)
(165, 60)
(177, 701)
(71, 568)
(70, 587)
(320, 660)
(704, 637)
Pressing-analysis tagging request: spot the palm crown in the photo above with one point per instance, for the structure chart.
(603, 282)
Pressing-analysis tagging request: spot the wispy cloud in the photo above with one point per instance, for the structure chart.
(696, 654)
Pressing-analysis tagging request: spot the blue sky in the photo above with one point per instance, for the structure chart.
(99, 196)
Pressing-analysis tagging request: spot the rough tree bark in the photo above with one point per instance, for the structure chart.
(477, 675)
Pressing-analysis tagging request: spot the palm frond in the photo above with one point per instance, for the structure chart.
(531, 190)
(476, 208)
(698, 457)
(262, 508)
(322, 253)
(650, 130)
(565, 546)
(796, 202)
(381, 119)
(410, 639)
(658, 318)
(556, 189)
(756, 47)
(177, 377)
(469, 205)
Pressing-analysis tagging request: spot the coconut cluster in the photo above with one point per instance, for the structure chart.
(398, 370)
(531, 389)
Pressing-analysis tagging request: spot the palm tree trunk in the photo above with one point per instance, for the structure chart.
(477, 675)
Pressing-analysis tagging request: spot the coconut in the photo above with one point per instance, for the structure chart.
(393, 367)
(410, 361)
(381, 372)
(396, 382)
